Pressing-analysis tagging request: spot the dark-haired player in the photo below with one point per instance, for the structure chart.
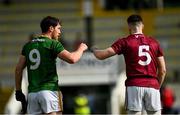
(145, 67)
(39, 56)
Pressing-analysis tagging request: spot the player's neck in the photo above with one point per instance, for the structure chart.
(136, 32)
(46, 35)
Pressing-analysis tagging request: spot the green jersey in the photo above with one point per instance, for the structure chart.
(41, 54)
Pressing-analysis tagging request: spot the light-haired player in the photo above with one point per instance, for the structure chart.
(39, 56)
(145, 67)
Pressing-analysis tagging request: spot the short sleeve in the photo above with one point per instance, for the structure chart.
(58, 47)
(118, 45)
(160, 51)
(23, 52)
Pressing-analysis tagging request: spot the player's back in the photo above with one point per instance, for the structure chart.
(140, 53)
(41, 63)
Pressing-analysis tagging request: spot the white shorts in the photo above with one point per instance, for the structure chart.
(142, 98)
(44, 102)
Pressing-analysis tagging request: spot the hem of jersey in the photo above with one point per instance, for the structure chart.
(49, 89)
(157, 88)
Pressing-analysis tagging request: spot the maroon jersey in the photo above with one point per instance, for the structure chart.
(140, 53)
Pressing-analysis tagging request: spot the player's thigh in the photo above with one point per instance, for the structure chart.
(152, 100)
(134, 99)
(51, 101)
(33, 105)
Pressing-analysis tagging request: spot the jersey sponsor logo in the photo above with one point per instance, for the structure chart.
(38, 40)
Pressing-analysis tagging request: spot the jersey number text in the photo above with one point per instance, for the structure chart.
(143, 52)
(34, 57)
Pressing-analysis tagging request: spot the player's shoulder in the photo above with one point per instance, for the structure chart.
(35, 40)
(120, 40)
(27, 44)
(151, 38)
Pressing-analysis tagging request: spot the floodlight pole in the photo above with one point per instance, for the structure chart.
(88, 10)
(160, 5)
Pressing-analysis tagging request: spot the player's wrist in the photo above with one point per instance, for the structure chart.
(92, 49)
(18, 90)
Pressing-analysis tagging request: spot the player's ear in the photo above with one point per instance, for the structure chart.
(51, 28)
(142, 26)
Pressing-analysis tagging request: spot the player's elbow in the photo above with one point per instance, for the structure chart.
(162, 72)
(18, 69)
(100, 58)
(73, 60)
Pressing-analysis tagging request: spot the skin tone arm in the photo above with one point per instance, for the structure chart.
(73, 57)
(103, 54)
(161, 70)
(19, 71)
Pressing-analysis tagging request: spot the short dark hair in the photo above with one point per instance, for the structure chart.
(47, 22)
(134, 18)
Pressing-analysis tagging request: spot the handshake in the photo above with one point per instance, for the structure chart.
(21, 97)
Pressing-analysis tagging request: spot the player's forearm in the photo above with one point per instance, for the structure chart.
(100, 54)
(161, 76)
(18, 78)
(161, 69)
(75, 56)
(103, 54)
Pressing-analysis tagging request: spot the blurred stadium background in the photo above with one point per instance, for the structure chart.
(99, 23)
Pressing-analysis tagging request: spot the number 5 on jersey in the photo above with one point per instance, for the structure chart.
(143, 52)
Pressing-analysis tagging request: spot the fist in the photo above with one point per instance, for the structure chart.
(83, 46)
(20, 96)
